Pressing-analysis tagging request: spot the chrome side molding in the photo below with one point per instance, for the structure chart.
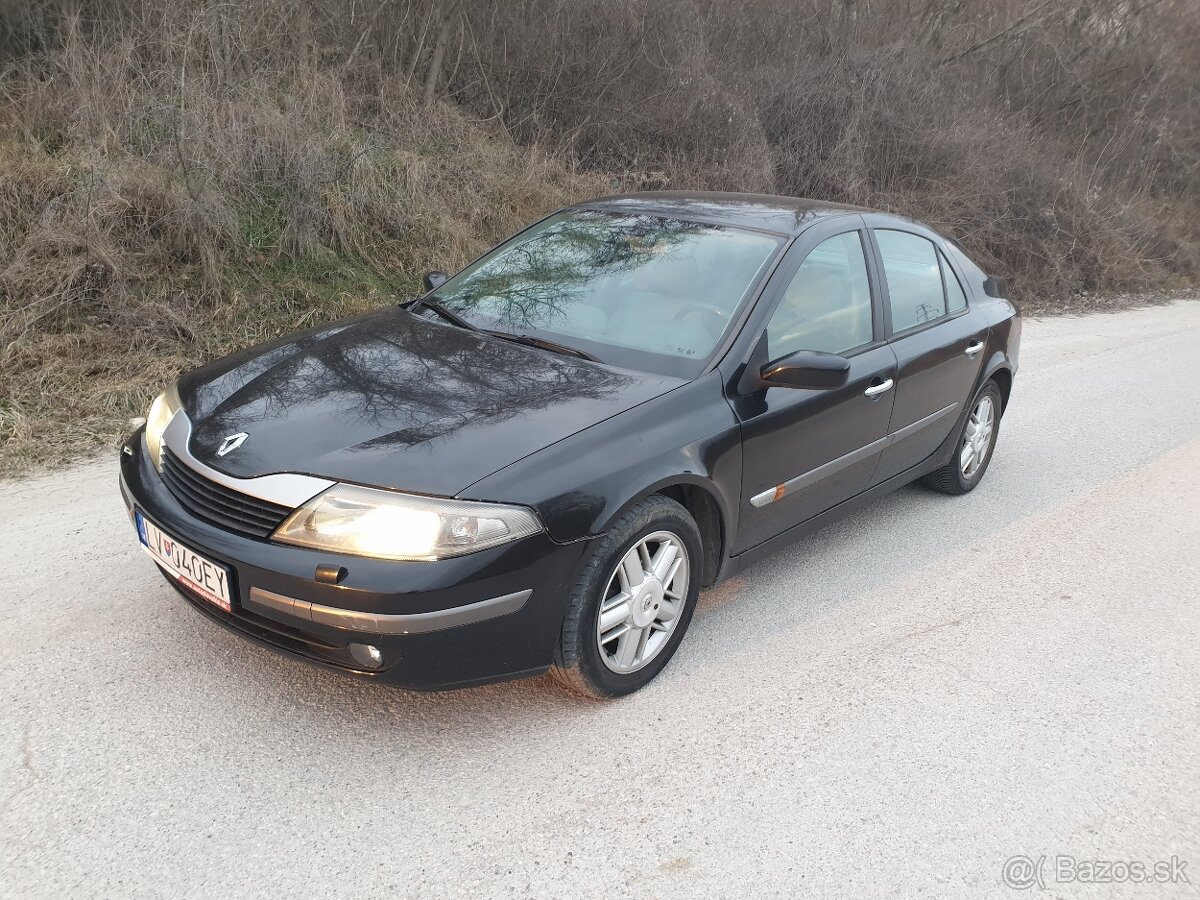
(381, 623)
(909, 430)
(812, 476)
(283, 489)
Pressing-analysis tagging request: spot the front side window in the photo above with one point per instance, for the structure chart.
(639, 291)
(914, 278)
(827, 304)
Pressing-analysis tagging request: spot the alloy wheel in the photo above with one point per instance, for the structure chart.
(977, 437)
(642, 602)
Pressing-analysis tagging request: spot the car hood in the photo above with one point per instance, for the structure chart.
(394, 400)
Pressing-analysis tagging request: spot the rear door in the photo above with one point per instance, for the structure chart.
(937, 337)
(804, 451)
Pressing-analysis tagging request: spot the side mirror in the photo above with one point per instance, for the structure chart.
(434, 280)
(807, 369)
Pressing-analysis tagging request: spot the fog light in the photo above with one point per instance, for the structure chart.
(367, 655)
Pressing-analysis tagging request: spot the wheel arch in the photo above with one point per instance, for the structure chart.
(703, 502)
(1003, 377)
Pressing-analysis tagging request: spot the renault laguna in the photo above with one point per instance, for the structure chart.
(537, 464)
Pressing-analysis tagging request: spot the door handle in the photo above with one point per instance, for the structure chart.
(974, 347)
(876, 389)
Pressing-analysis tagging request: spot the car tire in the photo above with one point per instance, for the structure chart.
(957, 477)
(585, 663)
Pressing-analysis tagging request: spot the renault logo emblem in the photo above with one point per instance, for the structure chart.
(232, 442)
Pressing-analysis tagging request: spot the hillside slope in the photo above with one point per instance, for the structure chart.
(142, 234)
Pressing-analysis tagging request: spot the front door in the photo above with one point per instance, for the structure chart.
(805, 451)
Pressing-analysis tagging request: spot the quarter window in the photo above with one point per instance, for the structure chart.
(954, 292)
(827, 304)
(914, 278)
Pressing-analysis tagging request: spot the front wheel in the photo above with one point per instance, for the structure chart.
(633, 602)
(975, 444)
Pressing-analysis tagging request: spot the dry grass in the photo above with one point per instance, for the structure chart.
(144, 233)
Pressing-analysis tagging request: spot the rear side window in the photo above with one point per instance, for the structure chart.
(827, 304)
(956, 298)
(914, 278)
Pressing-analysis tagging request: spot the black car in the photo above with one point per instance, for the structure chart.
(539, 463)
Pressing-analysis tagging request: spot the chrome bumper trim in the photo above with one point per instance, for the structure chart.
(283, 489)
(379, 623)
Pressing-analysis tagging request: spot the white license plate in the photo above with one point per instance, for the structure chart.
(205, 577)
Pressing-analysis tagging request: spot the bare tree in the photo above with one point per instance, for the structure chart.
(446, 12)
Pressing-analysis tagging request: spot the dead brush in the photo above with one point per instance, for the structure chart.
(158, 209)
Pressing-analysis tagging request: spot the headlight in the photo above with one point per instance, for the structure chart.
(162, 410)
(389, 525)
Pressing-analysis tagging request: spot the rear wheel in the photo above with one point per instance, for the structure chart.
(633, 602)
(975, 444)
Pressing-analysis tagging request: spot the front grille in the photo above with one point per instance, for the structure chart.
(219, 504)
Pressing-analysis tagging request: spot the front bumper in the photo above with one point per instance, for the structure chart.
(484, 617)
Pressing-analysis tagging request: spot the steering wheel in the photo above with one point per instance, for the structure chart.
(709, 308)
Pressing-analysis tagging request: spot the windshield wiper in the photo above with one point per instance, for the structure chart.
(452, 317)
(531, 341)
(455, 319)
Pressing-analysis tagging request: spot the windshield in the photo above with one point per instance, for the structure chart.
(636, 291)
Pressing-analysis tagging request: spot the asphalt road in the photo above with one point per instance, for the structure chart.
(893, 707)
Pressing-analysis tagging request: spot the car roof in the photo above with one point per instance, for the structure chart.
(782, 215)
